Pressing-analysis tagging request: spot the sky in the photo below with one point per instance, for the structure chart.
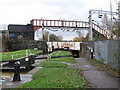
(22, 11)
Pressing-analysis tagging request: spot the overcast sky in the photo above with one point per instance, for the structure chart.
(22, 11)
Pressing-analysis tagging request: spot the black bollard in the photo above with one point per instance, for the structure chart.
(17, 71)
(91, 53)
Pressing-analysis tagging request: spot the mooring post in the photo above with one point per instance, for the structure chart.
(17, 71)
(91, 50)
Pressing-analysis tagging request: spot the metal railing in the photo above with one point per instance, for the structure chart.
(106, 33)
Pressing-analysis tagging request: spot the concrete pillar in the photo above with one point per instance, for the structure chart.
(90, 26)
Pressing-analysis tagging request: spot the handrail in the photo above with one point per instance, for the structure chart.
(106, 33)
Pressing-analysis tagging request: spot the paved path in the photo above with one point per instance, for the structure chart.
(96, 78)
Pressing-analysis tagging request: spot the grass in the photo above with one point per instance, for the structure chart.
(62, 59)
(16, 54)
(56, 78)
(101, 66)
(65, 59)
(53, 65)
(61, 53)
(57, 75)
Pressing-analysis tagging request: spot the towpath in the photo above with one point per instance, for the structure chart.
(96, 78)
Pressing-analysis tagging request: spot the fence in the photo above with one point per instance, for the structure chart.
(108, 52)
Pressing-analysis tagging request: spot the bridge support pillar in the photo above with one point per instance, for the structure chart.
(90, 26)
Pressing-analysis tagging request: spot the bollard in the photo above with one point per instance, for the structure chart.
(91, 53)
(16, 71)
(28, 63)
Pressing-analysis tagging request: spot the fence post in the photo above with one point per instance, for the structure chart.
(12, 57)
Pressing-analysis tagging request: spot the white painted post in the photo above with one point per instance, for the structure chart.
(26, 52)
(12, 57)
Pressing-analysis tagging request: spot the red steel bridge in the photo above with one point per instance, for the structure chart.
(46, 23)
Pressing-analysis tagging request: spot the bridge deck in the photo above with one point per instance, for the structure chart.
(58, 23)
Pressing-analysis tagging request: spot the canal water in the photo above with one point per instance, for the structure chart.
(7, 74)
(26, 75)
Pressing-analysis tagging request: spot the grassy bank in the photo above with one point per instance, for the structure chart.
(57, 75)
(53, 65)
(16, 54)
(56, 78)
(62, 59)
(101, 66)
(61, 53)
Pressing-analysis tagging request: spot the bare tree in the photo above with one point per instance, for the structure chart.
(80, 33)
(105, 22)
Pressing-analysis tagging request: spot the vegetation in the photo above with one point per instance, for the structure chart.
(53, 65)
(16, 54)
(55, 38)
(62, 59)
(103, 67)
(56, 78)
(114, 26)
(77, 39)
(57, 75)
(117, 32)
(65, 59)
(61, 53)
(52, 37)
